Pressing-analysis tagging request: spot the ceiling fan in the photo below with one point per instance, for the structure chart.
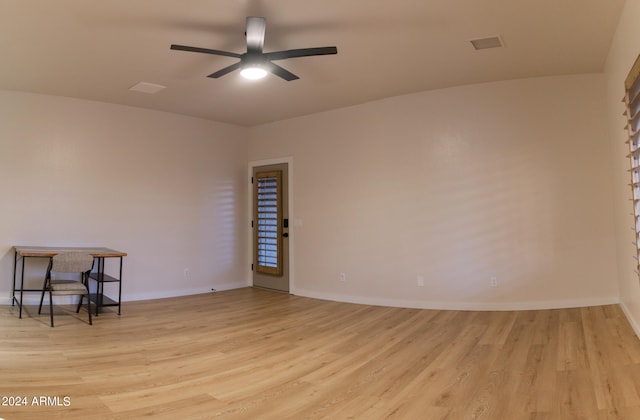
(255, 63)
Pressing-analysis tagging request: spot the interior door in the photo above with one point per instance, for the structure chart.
(270, 227)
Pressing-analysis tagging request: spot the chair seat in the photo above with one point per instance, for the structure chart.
(71, 287)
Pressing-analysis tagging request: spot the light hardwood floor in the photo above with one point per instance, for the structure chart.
(252, 354)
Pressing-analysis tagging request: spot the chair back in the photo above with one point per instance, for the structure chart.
(72, 262)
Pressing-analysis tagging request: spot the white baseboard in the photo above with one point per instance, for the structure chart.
(460, 306)
(182, 292)
(32, 298)
(631, 319)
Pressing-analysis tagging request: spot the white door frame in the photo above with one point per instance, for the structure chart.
(289, 161)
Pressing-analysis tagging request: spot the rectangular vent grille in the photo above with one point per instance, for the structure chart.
(486, 43)
(146, 87)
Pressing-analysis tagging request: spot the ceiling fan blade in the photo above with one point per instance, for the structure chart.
(256, 27)
(302, 52)
(226, 70)
(280, 72)
(204, 50)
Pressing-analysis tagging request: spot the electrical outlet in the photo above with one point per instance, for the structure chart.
(186, 273)
(420, 281)
(494, 282)
(342, 277)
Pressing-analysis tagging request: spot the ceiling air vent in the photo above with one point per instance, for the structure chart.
(145, 87)
(485, 43)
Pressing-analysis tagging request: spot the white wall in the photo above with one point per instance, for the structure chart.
(169, 190)
(509, 179)
(624, 50)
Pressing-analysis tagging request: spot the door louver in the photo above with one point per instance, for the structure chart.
(268, 231)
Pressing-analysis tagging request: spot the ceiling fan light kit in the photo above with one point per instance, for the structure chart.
(254, 63)
(253, 73)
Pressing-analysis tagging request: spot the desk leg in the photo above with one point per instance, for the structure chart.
(120, 288)
(100, 285)
(22, 285)
(15, 267)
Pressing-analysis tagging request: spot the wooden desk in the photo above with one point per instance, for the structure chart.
(98, 275)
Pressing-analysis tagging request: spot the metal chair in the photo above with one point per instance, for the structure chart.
(67, 263)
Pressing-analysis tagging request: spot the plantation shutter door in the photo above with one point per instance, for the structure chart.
(632, 113)
(268, 231)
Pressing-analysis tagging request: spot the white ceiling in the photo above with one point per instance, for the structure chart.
(97, 50)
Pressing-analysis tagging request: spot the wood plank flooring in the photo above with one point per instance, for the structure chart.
(252, 354)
